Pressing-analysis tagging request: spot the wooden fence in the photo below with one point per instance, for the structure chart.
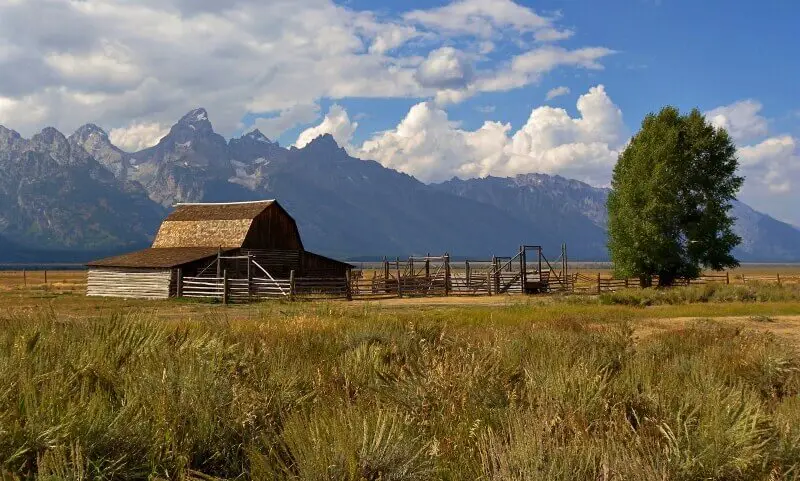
(376, 285)
(260, 288)
(585, 283)
(776, 279)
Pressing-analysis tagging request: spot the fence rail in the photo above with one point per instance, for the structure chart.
(581, 282)
(258, 288)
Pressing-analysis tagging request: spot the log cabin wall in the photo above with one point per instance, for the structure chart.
(130, 283)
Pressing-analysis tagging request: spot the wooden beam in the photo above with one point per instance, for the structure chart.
(225, 286)
(399, 280)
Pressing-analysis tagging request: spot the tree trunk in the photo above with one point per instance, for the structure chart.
(645, 281)
(666, 279)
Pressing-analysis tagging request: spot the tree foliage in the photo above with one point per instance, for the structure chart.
(669, 208)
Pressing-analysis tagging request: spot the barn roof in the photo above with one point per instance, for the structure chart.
(219, 211)
(209, 224)
(162, 257)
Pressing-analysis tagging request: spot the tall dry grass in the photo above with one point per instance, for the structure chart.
(752, 292)
(319, 392)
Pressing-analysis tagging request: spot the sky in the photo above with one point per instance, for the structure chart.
(437, 88)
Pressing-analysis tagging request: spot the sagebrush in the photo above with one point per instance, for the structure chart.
(320, 392)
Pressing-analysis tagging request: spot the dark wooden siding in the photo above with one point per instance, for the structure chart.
(315, 265)
(275, 229)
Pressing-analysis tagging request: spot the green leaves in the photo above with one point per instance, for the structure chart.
(671, 195)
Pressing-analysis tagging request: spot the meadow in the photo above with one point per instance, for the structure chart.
(690, 383)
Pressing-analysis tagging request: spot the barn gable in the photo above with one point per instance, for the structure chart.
(254, 225)
(273, 228)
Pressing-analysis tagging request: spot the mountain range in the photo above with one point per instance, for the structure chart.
(80, 196)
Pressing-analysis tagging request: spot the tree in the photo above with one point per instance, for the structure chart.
(670, 200)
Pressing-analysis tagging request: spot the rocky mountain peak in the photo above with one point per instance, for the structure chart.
(196, 120)
(52, 137)
(324, 140)
(51, 141)
(95, 141)
(88, 130)
(8, 138)
(257, 136)
(194, 126)
(324, 145)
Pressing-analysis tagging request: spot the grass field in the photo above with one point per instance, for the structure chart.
(690, 383)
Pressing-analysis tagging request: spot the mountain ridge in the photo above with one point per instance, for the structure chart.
(344, 206)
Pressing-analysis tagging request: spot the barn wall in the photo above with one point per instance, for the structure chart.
(277, 262)
(315, 265)
(274, 228)
(129, 283)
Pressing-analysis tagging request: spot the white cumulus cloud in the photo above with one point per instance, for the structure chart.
(428, 145)
(774, 162)
(337, 123)
(117, 61)
(445, 68)
(481, 17)
(741, 119)
(556, 92)
(137, 136)
(769, 162)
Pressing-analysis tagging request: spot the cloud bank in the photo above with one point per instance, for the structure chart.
(427, 144)
(118, 63)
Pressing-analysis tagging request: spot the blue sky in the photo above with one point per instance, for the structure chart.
(433, 88)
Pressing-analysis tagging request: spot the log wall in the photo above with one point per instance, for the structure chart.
(129, 283)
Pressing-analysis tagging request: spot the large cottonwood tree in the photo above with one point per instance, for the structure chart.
(669, 207)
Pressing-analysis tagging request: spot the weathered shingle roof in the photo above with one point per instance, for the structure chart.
(223, 211)
(209, 225)
(158, 257)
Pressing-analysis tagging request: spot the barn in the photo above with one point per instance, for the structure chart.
(235, 240)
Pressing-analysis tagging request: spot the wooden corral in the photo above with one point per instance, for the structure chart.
(528, 272)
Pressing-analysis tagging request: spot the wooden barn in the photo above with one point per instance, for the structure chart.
(237, 240)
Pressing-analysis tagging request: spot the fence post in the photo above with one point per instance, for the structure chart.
(291, 285)
(469, 276)
(779, 279)
(428, 266)
(399, 283)
(385, 268)
(495, 266)
(626, 283)
(489, 282)
(446, 274)
(45, 277)
(249, 280)
(24, 278)
(598, 283)
(347, 290)
(179, 283)
(727, 277)
(225, 286)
